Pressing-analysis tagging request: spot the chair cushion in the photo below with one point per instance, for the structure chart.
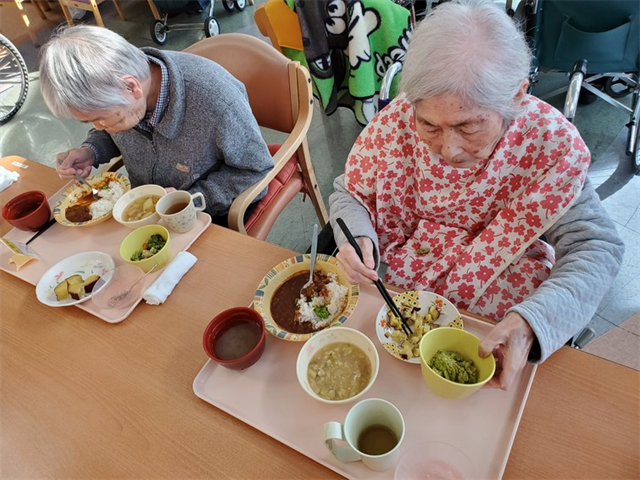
(286, 184)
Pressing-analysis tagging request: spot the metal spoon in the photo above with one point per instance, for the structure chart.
(116, 299)
(314, 250)
(94, 191)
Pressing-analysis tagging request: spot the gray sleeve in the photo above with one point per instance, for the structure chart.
(588, 257)
(244, 154)
(103, 146)
(343, 205)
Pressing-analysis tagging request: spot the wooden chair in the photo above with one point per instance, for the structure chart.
(19, 4)
(278, 22)
(279, 92)
(90, 6)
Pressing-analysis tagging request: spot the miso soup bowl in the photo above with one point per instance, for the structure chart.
(328, 337)
(464, 343)
(128, 198)
(37, 209)
(224, 320)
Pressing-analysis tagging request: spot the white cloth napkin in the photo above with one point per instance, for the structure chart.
(159, 290)
(7, 177)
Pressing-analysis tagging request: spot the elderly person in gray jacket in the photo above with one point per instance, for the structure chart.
(455, 184)
(177, 119)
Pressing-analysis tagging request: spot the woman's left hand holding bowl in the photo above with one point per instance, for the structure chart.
(510, 342)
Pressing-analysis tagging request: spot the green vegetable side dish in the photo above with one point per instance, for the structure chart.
(454, 367)
(149, 248)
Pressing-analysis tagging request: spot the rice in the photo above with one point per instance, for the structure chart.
(335, 303)
(108, 198)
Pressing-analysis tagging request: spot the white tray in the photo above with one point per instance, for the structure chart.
(60, 242)
(268, 397)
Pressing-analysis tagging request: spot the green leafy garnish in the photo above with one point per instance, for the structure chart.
(322, 312)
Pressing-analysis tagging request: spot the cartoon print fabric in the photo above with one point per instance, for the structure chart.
(348, 47)
(471, 235)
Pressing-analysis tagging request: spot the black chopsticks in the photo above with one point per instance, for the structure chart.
(42, 230)
(378, 283)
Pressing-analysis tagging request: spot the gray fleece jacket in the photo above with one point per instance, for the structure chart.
(588, 256)
(207, 141)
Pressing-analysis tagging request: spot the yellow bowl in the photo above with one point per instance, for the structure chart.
(280, 273)
(134, 241)
(459, 341)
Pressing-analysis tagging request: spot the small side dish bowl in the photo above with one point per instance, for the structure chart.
(135, 241)
(128, 198)
(325, 338)
(84, 268)
(284, 271)
(108, 293)
(441, 312)
(462, 342)
(235, 338)
(28, 211)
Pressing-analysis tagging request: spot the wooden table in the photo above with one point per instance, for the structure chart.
(80, 398)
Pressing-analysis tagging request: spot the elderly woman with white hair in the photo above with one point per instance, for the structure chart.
(177, 119)
(454, 183)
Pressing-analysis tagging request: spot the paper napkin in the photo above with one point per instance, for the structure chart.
(159, 290)
(7, 177)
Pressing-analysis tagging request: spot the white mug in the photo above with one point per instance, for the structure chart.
(178, 209)
(374, 417)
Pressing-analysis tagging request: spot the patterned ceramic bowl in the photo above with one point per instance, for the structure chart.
(284, 271)
(421, 303)
(82, 266)
(74, 193)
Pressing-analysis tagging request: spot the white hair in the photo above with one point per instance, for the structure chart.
(81, 68)
(470, 48)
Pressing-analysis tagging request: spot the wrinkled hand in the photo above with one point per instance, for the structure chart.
(358, 272)
(510, 342)
(75, 160)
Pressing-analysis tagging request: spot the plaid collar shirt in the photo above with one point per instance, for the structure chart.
(153, 117)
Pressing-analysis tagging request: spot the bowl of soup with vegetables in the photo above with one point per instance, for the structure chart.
(137, 207)
(337, 365)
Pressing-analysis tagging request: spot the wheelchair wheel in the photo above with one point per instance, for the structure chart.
(211, 27)
(616, 87)
(14, 80)
(159, 32)
(228, 5)
(240, 4)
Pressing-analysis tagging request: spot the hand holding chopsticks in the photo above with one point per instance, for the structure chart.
(378, 283)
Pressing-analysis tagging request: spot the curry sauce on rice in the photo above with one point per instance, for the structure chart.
(83, 207)
(312, 309)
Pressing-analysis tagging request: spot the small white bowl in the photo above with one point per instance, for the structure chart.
(138, 192)
(327, 337)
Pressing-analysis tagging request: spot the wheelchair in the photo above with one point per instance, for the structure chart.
(14, 80)
(597, 42)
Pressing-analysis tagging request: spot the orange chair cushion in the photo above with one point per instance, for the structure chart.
(272, 203)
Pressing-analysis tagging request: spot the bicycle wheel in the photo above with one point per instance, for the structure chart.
(14, 80)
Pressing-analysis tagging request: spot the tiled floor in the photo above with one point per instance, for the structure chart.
(35, 134)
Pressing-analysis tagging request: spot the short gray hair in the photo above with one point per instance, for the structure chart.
(471, 48)
(81, 68)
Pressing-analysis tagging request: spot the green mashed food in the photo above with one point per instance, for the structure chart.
(149, 248)
(454, 367)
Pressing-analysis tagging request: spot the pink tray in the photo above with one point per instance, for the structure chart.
(60, 242)
(268, 397)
